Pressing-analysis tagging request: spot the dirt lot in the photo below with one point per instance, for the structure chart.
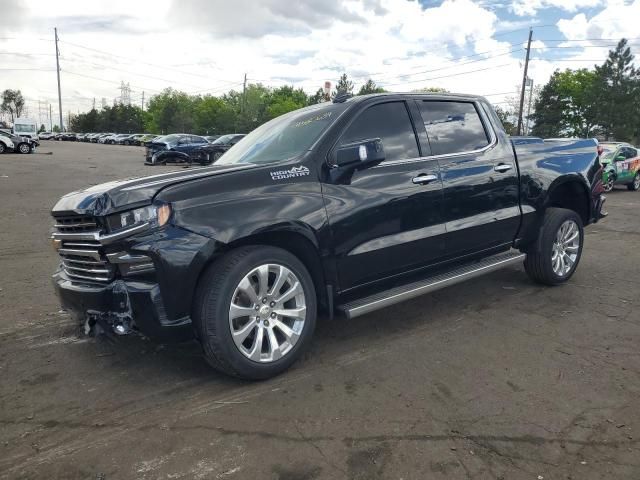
(494, 378)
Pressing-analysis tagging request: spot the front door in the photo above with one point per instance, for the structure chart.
(384, 219)
(626, 164)
(479, 176)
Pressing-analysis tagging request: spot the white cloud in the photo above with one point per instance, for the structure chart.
(152, 45)
(530, 7)
(616, 20)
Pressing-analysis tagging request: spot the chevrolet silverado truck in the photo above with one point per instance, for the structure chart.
(343, 207)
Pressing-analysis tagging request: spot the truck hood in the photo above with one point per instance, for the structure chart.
(119, 195)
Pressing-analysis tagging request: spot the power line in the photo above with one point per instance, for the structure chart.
(27, 69)
(448, 76)
(135, 61)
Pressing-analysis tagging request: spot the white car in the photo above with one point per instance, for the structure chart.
(6, 145)
(45, 135)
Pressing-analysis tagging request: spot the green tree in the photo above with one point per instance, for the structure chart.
(430, 90)
(343, 86)
(507, 117)
(619, 94)
(42, 128)
(317, 97)
(568, 105)
(370, 87)
(285, 99)
(12, 103)
(213, 116)
(171, 111)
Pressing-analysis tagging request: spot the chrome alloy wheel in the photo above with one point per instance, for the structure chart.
(267, 313)
(565, 248)
(636, 182)
(609, 185)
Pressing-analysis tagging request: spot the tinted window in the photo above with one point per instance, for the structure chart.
(390, 123)
(630, 152)
(453, 127)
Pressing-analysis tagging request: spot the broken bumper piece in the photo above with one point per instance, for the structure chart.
(120, 307)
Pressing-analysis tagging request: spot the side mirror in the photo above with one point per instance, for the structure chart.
(620, 158)
(360, 155)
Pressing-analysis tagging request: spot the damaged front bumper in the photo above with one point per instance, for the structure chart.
(121, 307)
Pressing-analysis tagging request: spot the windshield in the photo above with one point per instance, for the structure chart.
(284, 137)
(25, 128)
(223, 139)
(608, 155)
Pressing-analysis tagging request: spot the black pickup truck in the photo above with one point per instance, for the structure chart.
(345, 207)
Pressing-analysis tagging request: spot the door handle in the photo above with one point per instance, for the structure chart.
(503, 167)
(424, 178)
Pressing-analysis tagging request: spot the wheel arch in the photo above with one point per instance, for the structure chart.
(573, 194)
(298, 241)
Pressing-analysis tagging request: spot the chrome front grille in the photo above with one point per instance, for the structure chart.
(80, 251)
(70, 224)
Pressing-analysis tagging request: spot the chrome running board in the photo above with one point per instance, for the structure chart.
(459, 274)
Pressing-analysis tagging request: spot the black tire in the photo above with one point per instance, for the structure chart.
(608, 186)
(215, 157)
(635, 184)
(2, 147)
(211, 311)
(538, 263)
(24, 148)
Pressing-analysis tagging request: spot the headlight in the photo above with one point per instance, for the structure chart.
(156, 215)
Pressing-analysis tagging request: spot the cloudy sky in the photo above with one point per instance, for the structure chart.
(206, 46)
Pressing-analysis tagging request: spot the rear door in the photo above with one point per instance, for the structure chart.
(383, 220)
(479, 176)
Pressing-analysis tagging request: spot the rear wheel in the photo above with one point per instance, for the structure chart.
(608, 185)
(635, 184)
(255, 312)
(554, 257)
(215, 157)
(2, 147)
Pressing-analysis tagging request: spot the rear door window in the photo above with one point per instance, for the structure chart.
(390, 123)
(453, 127)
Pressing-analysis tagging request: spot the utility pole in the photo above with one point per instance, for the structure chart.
(524, 82)
(244, 93)
(94, 104)
(50, 120)
(143, 100)
(530, 83)
(55, 31)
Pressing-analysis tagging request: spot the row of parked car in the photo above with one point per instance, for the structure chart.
(187, 148)
(161, 149)
(108, 138)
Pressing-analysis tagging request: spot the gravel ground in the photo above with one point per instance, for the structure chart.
(495, 378)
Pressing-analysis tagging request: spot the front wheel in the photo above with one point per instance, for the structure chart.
(24, 148)
(635, 185)
(2, 148)
(255, 312)
(215, 157)
(554, 257)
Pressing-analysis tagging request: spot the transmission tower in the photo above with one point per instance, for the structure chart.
(125, 93)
